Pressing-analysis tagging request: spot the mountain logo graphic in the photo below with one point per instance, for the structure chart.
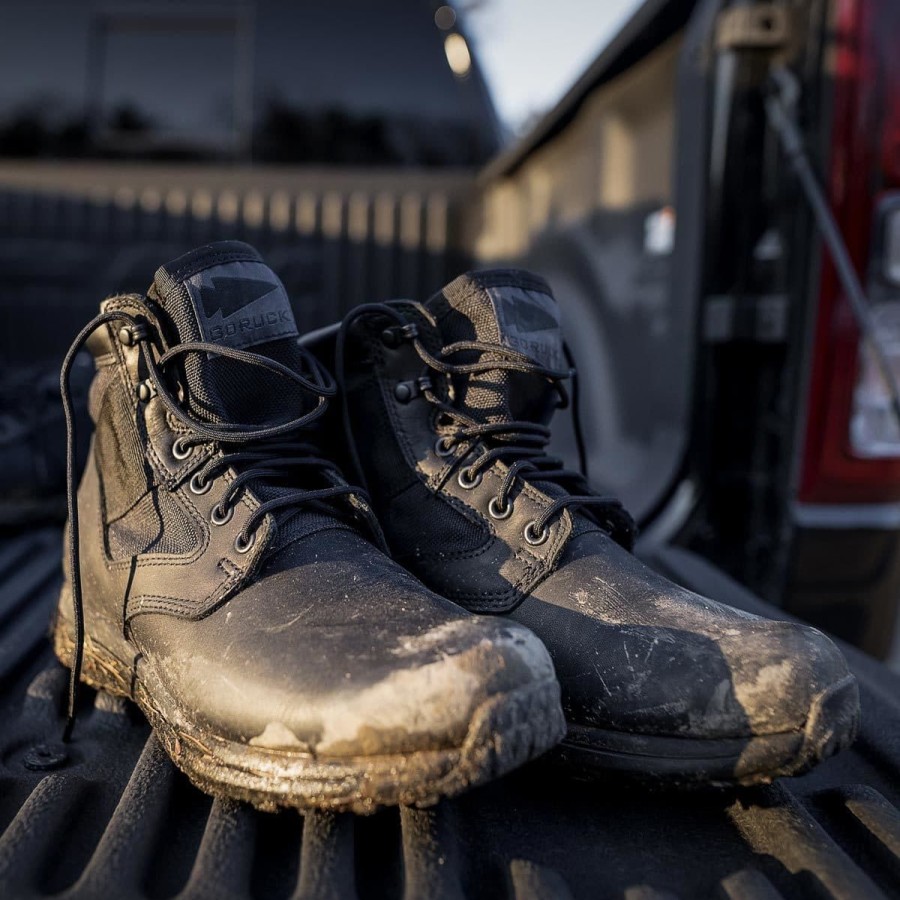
(527, 317)
(529, 323)
(241, 304)
(227, 294)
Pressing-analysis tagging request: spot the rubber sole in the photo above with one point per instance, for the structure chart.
(830, 727)
(505, 731)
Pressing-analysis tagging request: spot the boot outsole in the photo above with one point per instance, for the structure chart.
(505, 731)
(738, 762)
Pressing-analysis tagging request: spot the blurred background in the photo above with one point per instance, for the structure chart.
(373, 150)
(132, 130)
(532, 52)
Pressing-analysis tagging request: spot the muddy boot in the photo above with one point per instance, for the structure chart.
(232, 580)
(448, 405)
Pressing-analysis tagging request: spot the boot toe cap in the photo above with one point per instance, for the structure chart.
(780, 673)
(347, 690)
(759, 678)
(437, 688)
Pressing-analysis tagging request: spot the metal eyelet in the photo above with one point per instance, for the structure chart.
(220, 518)
(441, 448)
(500, 512)
(536, 539)
(197, 485)
(181, 450)
(243, 547)
(466, 480)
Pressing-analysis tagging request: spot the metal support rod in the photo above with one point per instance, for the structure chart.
(781, 112)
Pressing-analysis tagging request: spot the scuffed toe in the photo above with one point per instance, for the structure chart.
(778, 671)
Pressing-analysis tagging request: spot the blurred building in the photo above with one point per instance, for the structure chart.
(339, 136)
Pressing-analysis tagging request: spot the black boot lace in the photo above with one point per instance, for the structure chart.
(266, 452)
(518, 443)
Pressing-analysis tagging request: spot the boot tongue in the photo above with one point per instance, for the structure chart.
(514, 310)
(225, 294)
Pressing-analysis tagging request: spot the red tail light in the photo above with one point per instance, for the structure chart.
(852, 442)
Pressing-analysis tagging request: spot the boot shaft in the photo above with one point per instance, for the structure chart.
(179, 393)
(478, 518)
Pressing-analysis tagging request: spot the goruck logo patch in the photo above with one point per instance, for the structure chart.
(529, 322)
(241, 304)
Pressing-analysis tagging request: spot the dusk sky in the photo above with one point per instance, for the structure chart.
(532, 51)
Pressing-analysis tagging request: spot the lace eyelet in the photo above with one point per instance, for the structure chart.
(197, 485)
(441, 448)
(220, 518)
(533, 538)
(181, 450)
(500, 512)
(244, 547)
(466, 480)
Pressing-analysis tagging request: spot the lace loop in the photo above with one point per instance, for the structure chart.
(72, 503)
(322, 385)
(502, 358)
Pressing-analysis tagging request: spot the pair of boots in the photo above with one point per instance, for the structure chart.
(298, 641)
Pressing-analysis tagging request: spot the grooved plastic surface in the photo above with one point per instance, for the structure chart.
(118, 820)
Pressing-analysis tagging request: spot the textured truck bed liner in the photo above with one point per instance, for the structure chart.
(118, 820)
